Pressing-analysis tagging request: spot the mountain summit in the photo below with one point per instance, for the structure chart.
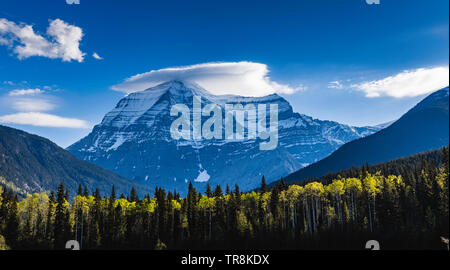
(134, 140)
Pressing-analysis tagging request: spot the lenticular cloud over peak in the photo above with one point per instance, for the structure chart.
(235, 78)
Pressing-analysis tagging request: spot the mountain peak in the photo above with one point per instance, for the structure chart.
(134, 140)
(442, 93)
(181, 83)
(177, 87)
(438, 99)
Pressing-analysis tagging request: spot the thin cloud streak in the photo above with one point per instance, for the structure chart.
(25, 92)
(43, 120)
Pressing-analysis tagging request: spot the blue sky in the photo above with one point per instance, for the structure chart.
(339, 60)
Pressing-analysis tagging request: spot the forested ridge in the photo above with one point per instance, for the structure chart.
(30, 163)
(399, 139)
(405, 166)
(402, 204)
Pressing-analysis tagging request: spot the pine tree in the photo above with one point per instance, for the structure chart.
(444, 198)
(133, 195)
(12, 223)
(192, 213)
(85, 192)
(49, 223)
(208, 191)
(282, 184)
(218, 191)
(162, 212)
(263, 184)
(219, 220)
(66, 194)
(94, 239)
(5, 200)
(119, 227)
(110, 220)
(61, 223)
(237, 195)
(274, 204)
(112, 197)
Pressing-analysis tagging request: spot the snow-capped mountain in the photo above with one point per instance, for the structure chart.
(134, 141)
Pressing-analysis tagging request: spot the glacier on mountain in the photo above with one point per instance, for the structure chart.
(134, 141)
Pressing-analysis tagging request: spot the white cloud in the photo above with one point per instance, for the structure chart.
(63, 40)
(25, 92)
(409, 83)
(32, 105)
(23, 100)
(335, 85)
(4, 41)
(42, 120)
(238, 78)
(96, 56)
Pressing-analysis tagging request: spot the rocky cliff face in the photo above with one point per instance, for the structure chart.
(134, 140)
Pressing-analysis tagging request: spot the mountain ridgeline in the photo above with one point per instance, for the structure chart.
(134, 140)
(425, 127)
(35, 164)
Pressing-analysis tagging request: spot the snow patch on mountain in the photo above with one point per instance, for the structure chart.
(134, 140)
(203, 176)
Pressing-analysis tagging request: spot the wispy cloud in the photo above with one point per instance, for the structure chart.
(30, 100)
(32, 105)
(409, 83)
(43, 120)
(25, 92)
(238, 78)
(4, 41)
(439, 30)
(62, 41)
(96, 56)
(335, 85)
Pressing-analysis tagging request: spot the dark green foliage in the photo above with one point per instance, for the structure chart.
(36, 164)
(424, 127)
(408, 210)
(62, 222)
(263, 184)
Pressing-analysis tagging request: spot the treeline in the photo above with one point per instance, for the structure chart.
(409, 167)
(405, 210)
